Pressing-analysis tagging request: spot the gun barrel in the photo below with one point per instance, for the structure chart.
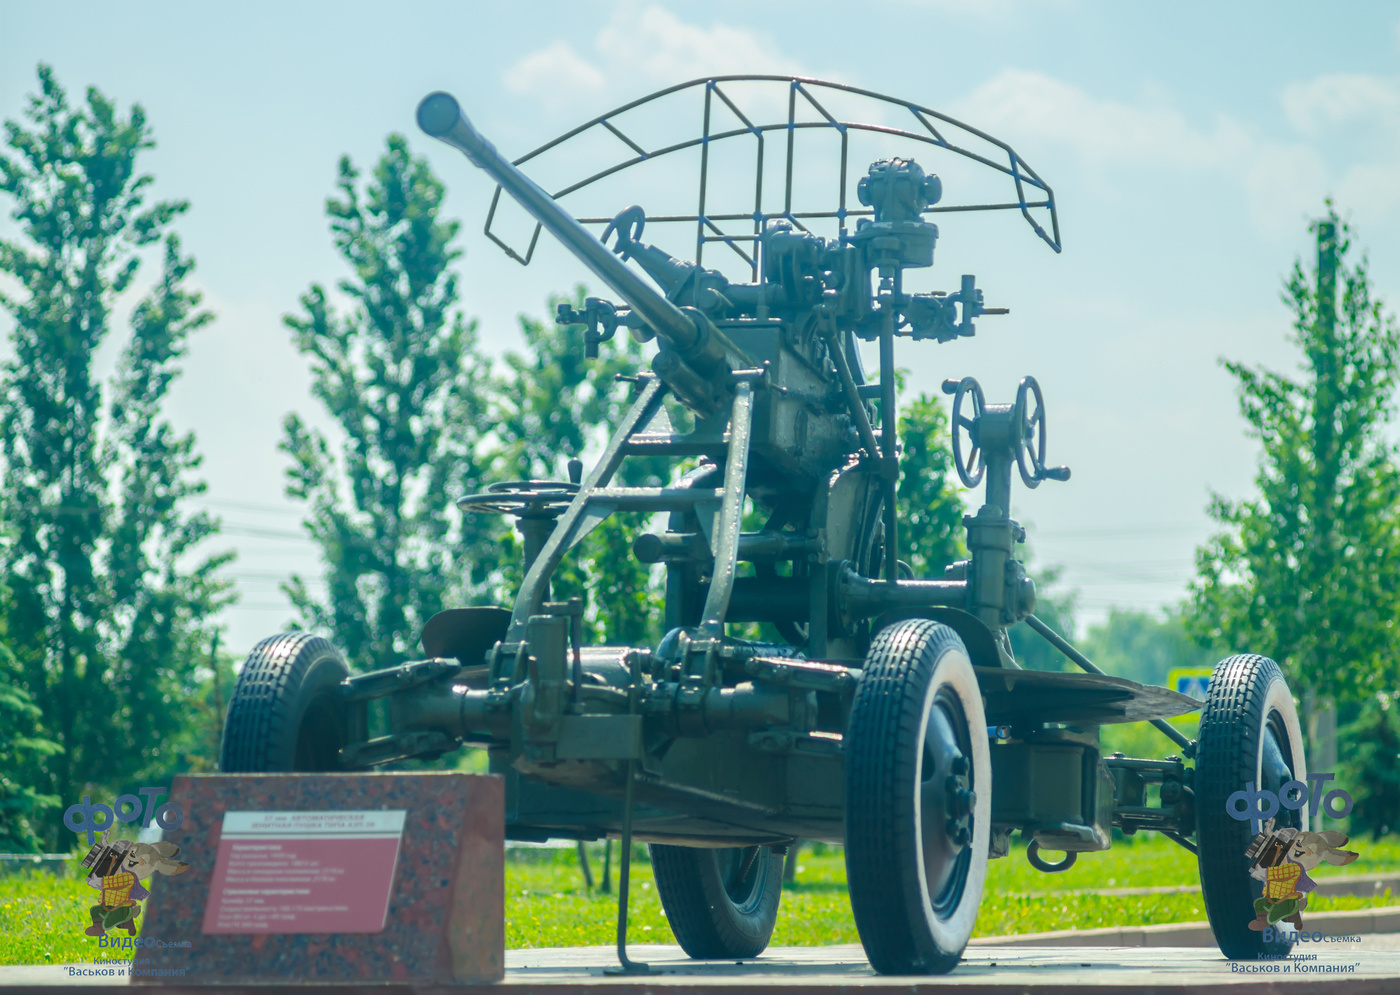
(441, 116)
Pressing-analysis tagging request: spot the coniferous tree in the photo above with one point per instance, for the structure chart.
(399, 373)
(108, 597)
(22, 752)
(1305, 571)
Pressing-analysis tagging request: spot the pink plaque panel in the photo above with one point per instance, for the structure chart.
(303, 872)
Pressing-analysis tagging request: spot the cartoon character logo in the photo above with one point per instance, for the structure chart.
(117, 868)
(1281, 859)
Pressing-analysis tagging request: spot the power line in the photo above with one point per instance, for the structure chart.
(272, 575)
(258, 532)
(1113, 533)
(254, 506)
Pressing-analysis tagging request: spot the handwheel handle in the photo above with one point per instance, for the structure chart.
(972, 468)
(629, 225)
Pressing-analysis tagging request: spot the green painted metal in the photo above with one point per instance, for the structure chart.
(709, 739)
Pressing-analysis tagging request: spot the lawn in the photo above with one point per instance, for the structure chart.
(42, 916)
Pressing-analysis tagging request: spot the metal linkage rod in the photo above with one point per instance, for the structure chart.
(850, 391)
(629, 965)
(889, 434)
(731, 514)
(1056, 640)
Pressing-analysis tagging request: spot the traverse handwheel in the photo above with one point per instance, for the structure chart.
(522, 498)
(536, 505)
(971, 469)
(1030, 417)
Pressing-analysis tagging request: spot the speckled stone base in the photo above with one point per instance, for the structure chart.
(446, 920)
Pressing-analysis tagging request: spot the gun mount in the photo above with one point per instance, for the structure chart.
(880, 710)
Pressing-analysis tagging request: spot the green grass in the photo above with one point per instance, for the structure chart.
(42, 916)
(547, 905)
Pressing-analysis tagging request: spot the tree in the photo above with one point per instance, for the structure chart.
(108, 596)
(1144, 647)
(1305, 571)
(930, 510)
(22, 750)
(1053, 607)
(399, 373)
(551, 406)
(1372, 771)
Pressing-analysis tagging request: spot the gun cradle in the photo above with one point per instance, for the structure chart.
(799, 428)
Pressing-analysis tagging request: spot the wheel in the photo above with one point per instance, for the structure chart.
(918, 799)
(1249, 733)
(285, 714)
(721, 903)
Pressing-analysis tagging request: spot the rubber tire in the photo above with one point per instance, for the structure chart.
(1244, 694)
(708, 922)
(906, 669)
(285, 714)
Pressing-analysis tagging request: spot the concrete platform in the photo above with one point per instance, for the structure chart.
(1368, 967)
(1355, 922)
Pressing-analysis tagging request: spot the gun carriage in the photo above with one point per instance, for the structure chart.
(891, 715)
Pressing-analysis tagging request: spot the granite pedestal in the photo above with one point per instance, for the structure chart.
(445, 922)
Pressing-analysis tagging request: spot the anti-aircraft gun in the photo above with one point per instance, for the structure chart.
(890, 715)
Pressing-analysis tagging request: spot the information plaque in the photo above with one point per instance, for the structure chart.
(304, 872)
(338, 880)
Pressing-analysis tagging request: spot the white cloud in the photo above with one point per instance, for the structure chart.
(1342, 99)
(668, 50)
(994, 11)
(1283, 178)
(1360, 114)
(555, 73)
(649, 44)
(1026, 103)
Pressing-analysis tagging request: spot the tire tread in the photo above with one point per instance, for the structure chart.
(1230, 729)
(701, 915)
(260, 716)
(874, 796)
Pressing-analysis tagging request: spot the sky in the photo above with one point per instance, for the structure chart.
(1188, 146)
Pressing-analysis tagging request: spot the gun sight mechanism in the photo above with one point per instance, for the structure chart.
(807, 282)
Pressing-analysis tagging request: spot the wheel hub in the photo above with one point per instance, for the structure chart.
(962, 799)
(947, 799)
